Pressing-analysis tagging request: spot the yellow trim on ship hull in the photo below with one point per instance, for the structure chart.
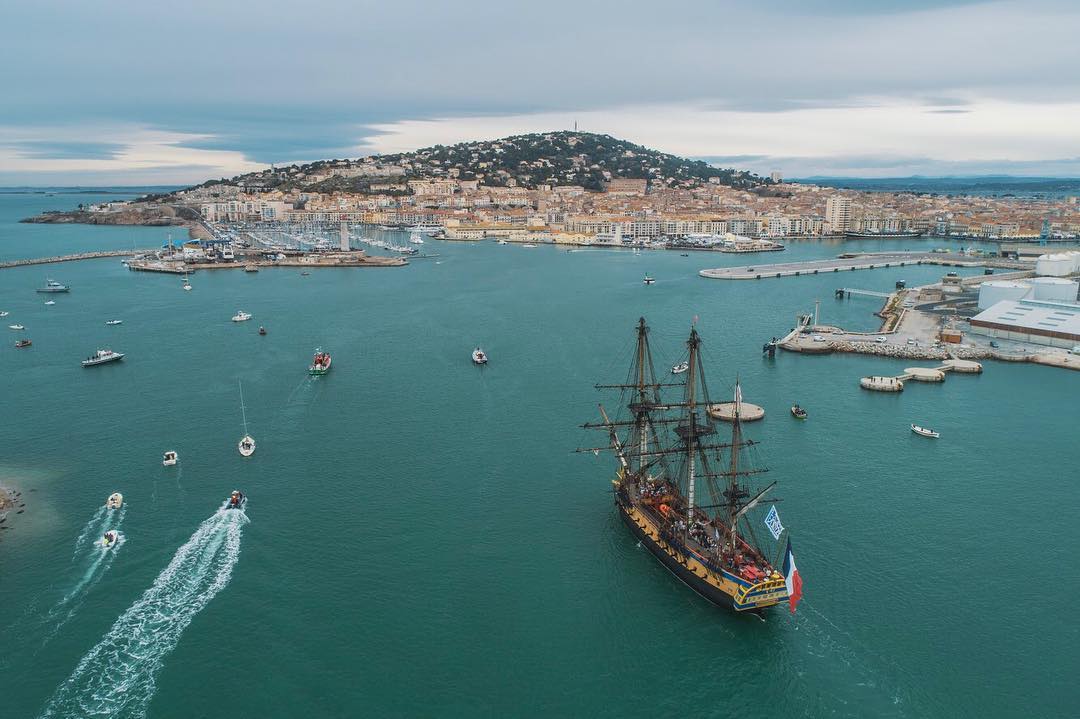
(767, 593)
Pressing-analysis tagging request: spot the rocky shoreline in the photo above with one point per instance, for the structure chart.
(145, 215)
(10, 502)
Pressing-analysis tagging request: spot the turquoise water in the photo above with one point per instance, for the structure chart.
(420, 539)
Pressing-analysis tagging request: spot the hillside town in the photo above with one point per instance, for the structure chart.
(580, 188)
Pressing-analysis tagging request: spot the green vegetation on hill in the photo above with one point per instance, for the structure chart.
(550, 158)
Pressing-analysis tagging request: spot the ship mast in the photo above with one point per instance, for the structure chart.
(691, 435)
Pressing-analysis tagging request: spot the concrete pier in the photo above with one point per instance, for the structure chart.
(71, 258)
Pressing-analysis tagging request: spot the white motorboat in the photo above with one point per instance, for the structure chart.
(503, 242)
(680, 368)
(416, 239)
(924, 431)
(246, 445)
(648, 280)
(528, 244)
(115, 501)
(241, 316)
(187, 285)
(50, 302)
(478, 356)
(102, 357)
(112, 323)
(16, 327)
(170, 458)
(4, 314)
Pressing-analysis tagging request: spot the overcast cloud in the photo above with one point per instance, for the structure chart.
(120, 91)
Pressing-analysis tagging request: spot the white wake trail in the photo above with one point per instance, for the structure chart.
(117, 678)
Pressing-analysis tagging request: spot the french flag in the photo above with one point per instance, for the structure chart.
(792, 578)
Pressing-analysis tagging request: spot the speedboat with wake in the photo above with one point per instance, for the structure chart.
(236, 500)
(478, 356)
(109, 538)
(320, 363)
(113, 323)
(115, 501)
(924, 431)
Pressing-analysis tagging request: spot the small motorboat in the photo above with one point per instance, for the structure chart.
(170, 458)
(4, 314)
(262, 330)
(109, 538)
(187, 284)
(684, 255)
(648, 280)
(416, 239)
(241, 316)
(320, 363)
(924, 431)
(23, 343)
(478, 356)
(305, 273)
(16, 327)
(246, 446)
(237, 500)
(798, 412)
(102, 357)
(502, 242)
(115, 501)
(50, 302)
(53, 286)
(113, 323)
(528, 244)
(251, 268)
(680, 368)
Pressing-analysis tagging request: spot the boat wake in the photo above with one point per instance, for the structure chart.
(93, 560)
(117, 677)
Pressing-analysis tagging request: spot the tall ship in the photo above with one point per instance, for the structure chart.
(668, 452)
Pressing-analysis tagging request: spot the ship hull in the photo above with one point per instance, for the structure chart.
(722, 589)
(704, 589)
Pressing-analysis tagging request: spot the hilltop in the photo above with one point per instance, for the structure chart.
(552, 158)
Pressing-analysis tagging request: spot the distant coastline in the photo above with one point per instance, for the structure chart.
(984, 185)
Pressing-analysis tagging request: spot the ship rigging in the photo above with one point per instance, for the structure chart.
(668, 451)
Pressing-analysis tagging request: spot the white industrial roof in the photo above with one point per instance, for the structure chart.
(1057, 317)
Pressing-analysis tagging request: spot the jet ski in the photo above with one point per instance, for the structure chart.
(109, 539)
(236, 500)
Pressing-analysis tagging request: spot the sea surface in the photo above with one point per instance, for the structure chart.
(420, 538)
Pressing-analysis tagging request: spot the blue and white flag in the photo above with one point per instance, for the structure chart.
(772, 521)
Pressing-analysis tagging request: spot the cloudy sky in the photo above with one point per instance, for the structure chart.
(126, 92)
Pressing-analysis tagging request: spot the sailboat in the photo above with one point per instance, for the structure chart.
(667, 454)
(247, 442)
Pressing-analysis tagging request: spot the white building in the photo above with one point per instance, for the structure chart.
(838, 214)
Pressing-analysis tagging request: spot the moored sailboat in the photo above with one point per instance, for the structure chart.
(666, 451)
